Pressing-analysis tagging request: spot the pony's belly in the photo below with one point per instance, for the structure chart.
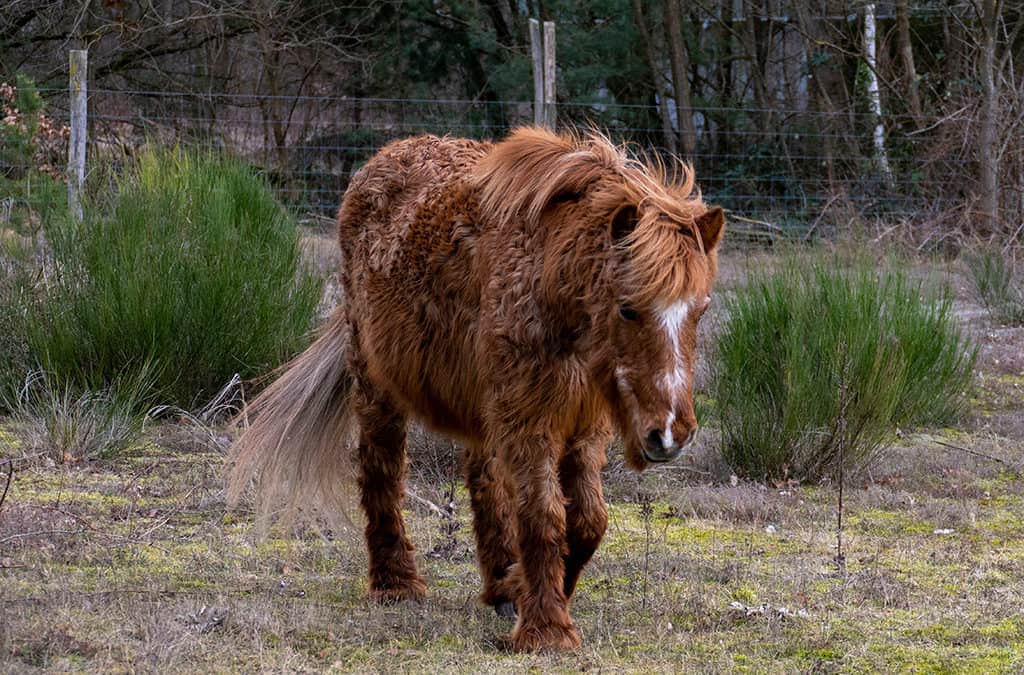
(428, 370)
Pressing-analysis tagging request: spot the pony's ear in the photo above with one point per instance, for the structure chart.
(711, 225)
(624, 222)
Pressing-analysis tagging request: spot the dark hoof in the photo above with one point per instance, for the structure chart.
(506, 610)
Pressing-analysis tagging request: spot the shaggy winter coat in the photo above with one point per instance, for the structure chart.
(528, 298)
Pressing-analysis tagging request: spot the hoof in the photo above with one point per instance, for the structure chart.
(415, 591)
(543, 638)
(506, 610)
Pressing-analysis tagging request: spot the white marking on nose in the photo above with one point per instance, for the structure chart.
(667, 436)
(672, 318)
(620, 379)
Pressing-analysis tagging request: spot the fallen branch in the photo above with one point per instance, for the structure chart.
(429, 504)
(37, 533)
(999, 460)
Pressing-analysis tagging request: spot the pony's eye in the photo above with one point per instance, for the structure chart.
(628, 313)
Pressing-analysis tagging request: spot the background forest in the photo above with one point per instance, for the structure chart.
(773, 100)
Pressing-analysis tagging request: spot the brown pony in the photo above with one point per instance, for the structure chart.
(527, 298)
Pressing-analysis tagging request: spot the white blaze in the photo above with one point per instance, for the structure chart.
(672, 318)
(667, 435)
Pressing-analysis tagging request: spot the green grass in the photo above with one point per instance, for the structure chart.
(818, 366)
(995, 285)
(190, 270)
(17, 298)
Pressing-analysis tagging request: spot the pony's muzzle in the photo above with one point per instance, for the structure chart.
(655, 449)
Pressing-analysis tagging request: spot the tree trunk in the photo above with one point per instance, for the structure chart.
(680, 77)
(907, 56)
(757, 43)
(989, 152)
(652, 61)
(810, 26)
(874, 98)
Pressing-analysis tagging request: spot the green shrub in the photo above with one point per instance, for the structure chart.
(190, 269)
(15, 300)
(33, 148)
(817, 366)
(995, 286)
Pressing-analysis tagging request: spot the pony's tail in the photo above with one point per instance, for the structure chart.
(297, 433)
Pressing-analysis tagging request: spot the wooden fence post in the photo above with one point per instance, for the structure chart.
(549, 75)
(78, 67)
(543, 52)
(537, 51)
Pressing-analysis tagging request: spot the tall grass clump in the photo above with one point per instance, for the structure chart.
(818, 365)
(190, 271)
(66, 425)
(995, 285)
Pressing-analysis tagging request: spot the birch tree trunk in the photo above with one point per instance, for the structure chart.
(874, 99)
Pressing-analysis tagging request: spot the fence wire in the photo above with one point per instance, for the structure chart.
(786, 168)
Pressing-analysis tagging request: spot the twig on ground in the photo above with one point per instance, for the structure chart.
(646, 513)
(844, 401)
(7, 484)
(437, 510)
(982, 455)
(665, 468)
(36, 533)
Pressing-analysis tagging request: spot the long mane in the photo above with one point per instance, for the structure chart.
(533, 168)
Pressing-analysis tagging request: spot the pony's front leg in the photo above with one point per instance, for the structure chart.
(540, 514)
(586, 512)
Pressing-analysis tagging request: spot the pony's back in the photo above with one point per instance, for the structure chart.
(393, 188)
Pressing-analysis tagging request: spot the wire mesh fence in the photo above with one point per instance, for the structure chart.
(790, 169)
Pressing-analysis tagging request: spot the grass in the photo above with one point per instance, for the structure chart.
(818, 366)
(17, 299)
(66, 426)
(191, 270)
(133, 563)
(995, 285)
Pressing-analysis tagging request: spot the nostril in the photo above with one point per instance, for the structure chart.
(654, 441)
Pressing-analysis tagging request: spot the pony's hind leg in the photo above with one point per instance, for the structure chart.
(586, 514)
(494, 526)
(381, 453)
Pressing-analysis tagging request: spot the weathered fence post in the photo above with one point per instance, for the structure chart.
(78, 68)
(549, 75)
(537, 51)
(543, 52)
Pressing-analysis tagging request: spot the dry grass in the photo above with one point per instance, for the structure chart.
(133, 564)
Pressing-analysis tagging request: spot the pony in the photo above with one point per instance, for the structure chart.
(527, 298)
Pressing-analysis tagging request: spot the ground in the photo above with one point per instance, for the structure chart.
(134, 563)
